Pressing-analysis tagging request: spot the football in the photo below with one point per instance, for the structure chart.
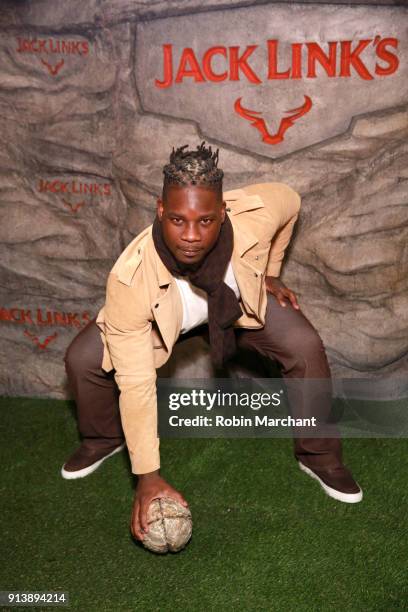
(170, 526)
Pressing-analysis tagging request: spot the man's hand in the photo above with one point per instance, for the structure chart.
(280, 291)
(150, 486)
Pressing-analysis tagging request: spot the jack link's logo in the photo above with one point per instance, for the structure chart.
(72, 188)
(218, 64)
(52, 46)
(40, 318)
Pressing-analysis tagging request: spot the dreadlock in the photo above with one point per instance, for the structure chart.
(193, 168)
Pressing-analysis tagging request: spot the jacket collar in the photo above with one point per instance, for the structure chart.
(238, 202)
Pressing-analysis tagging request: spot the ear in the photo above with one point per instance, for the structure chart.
(160, 206)
(224, 205)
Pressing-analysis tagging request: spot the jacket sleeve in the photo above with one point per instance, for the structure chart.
(288, 203)
(128, 337)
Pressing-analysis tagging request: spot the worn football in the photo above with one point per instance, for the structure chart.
(170, 526)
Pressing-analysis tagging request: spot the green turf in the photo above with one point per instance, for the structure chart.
(265, 536)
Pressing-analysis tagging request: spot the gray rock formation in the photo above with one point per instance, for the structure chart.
(80, 169)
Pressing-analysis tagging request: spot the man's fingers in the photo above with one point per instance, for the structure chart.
(144, 507)
(278, 297)
(135, 525)
(293, 300)
(139, 535)
(174, 495)
(281, 298)
(132, 521)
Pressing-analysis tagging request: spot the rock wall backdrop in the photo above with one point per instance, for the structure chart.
(95, 94)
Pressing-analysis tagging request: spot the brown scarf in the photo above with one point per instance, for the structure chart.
(223, 305)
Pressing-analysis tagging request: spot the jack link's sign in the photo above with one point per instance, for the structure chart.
(274, 79)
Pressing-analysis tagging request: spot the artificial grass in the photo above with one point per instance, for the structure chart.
(265, 536)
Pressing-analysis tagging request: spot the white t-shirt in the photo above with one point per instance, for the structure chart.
(194, 299)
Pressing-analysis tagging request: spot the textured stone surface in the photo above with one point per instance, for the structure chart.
(105, 12)
(80, 169)
(170, 526)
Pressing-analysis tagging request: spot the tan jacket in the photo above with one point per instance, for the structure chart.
(142, 316)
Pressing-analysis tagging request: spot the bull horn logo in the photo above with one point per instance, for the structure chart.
(53, 70)
(73, 207)
(259, 123)
(35, 339)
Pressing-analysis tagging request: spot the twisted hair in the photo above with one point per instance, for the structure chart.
(198, 167)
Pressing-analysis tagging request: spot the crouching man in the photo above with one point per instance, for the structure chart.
(209, 264)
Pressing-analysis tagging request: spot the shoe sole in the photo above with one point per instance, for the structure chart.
(348, 498)
(91, 468)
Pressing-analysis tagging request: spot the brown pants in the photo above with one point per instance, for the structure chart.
(287, 336)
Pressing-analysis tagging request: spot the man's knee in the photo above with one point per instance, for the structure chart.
(73, 357)
(304, 344)
(309, 342)
(81, 354)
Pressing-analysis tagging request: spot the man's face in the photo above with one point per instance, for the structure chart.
(191, 218)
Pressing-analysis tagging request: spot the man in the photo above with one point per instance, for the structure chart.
(208, 264)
